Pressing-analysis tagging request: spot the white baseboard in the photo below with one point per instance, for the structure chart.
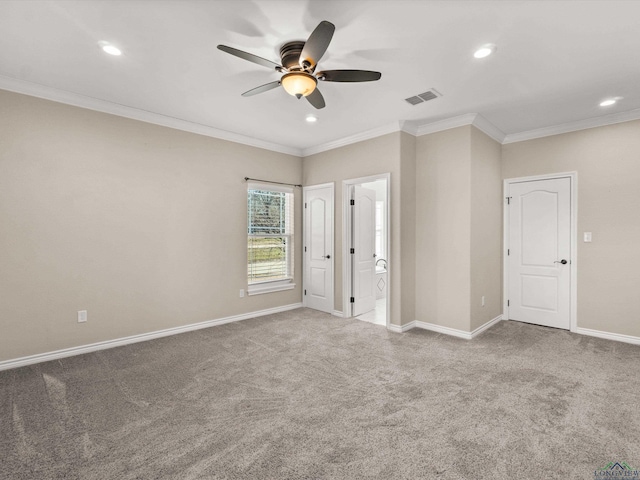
(618, 337)
(401, 328)
(337, 313)
(94, 347)
(486, 326)
(454, 332)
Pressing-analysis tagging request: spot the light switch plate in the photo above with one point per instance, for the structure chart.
(587, 236)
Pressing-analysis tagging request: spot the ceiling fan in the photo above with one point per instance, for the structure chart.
(299, 61)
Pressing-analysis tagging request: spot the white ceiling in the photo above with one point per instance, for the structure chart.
(555, 61)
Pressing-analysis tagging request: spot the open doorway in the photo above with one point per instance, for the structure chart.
(366, 248)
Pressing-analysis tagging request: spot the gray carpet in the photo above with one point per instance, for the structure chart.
(303, 395)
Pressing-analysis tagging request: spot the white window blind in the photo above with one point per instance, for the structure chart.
(270, 233)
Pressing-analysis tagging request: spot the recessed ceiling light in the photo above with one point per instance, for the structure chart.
(608, 102)
(110, 49)
(485, 50)
(311, 118)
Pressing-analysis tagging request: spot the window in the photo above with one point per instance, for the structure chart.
(270, 238)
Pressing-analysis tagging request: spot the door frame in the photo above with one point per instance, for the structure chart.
(347, 310)
(573, 271)
(305, 232)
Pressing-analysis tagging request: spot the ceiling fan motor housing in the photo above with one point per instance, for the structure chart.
(290, 55)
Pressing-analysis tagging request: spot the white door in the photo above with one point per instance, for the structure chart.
(539, 255)
(318, 247)
(364, 261)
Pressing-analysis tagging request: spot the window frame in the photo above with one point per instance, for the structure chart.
(268, 286)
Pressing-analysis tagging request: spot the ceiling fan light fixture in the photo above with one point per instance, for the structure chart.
(299, 84)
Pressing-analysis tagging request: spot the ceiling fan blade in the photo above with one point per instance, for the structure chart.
(348, 76)
(250, 57)
(317, 44)
(262, 88)
(316, 99)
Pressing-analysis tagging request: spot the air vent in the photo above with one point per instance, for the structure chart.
(423, 97)
(414, 100)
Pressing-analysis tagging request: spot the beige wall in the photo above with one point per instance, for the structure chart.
(408, 226)
(145, 226)
(141, 225)
(371, 157)
(607, 160)
(458, 229)
(443, 229)
(486, 229)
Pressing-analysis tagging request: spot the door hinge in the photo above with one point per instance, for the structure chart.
(352, 202)
(508, 200)
(305, 292)
(353, 250)
(507, 303)
(508, 251)
(353, 300)
(305, 204)
(305, 248)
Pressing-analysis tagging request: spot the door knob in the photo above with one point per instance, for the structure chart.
(329, 256)
(563, 261)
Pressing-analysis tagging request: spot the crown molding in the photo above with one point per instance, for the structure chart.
(98, 105)
(482, 124)
(358, 137)
(474, 119)
(488, 128)
(574, 126)
(409, 127)
(446, 124)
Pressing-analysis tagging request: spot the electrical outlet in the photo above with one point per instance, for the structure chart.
(82, 316)
(483, 300)
(241, 292)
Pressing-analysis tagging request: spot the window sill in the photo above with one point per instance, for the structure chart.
(269, 287)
